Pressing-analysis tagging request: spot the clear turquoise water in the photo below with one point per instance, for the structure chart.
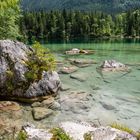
(125, 51)
(121, 91)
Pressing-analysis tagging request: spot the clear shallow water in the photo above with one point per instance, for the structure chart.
(120, 91)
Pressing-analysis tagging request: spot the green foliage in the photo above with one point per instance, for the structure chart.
(126, 129)
(66, 25)
(22, 135)
(122, 128)
(31, 76)
(9, 83)
(43, 57)
(9, 16)
(10, 74)
(138, 135)
(59, 134)
(41, 60)
(87, 136)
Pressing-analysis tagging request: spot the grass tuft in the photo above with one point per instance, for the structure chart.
(59, 134)
(122, 128)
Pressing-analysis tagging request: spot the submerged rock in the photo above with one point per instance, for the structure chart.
(55, 106)
(76, 51)
(81, 62)
(11, 115)
(94, 87)
(75, 102)
(113, 65)
(80, 76)
(68, 70)
(65, 87)
(10, 110)
(107, 106)
(40, 113)
(14, 58)
(9, 106)
(48, 102)
(36, 104)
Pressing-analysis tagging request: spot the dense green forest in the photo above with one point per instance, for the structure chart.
(109, 6)
(66, 25)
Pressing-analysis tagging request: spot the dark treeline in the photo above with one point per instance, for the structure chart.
(66, 25)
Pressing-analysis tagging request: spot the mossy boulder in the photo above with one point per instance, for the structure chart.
(18, 79)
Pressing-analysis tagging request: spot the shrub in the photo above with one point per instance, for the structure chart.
(122, 128)
(138, 135)
(59, 134)
(41, 60)
(87, 136)
(22, 135)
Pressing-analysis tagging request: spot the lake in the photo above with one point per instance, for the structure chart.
(117, 96)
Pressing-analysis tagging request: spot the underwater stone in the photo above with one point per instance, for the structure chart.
(40, 113)
(107, 106)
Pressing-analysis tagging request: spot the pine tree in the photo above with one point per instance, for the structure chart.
(65, 25)
(9, 17)
(61, 28)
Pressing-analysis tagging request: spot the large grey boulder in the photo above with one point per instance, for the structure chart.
(49, 84)
(14, 58)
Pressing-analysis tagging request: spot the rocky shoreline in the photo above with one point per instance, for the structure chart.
(78, 131)
(47, 98)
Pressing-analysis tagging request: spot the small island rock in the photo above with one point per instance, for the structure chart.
(113, 65)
